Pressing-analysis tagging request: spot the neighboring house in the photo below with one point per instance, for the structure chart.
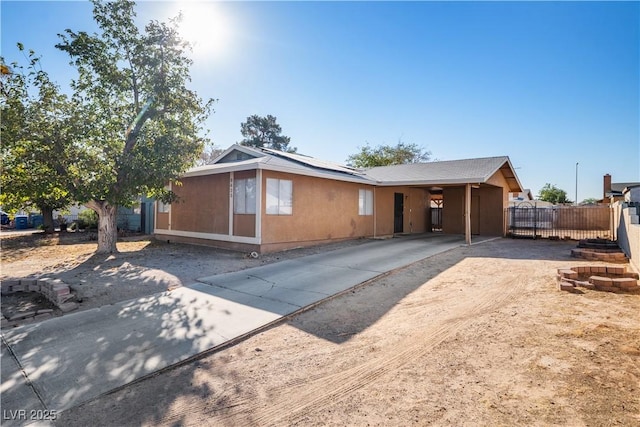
(631, 193)
(137, 218)
(265, 200)
(615, 191)
(522, 196)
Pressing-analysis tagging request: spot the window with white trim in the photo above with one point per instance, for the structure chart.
(244, 196)
(163, 207)
(279, 197)
(365, 202)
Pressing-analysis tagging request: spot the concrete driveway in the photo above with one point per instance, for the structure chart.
(62, 362)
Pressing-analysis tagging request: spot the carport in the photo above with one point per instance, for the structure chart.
(473, 195)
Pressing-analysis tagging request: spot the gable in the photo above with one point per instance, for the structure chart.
(237, 154)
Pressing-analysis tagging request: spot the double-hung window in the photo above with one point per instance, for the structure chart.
(365, 202)
(279, 197)
(244, 196)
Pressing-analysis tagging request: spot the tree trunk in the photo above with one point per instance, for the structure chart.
(107, 226)
(47, 219)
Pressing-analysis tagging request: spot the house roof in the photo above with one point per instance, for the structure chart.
(467, 171)
(618, 187)
(316, 163)
(525, 194)
(471, 171)
(267, 159)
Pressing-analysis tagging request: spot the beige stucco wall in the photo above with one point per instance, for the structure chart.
(491, 211)
(162, 219)
(323, 209)
(627, 231)
(487, 208)
(453, 210)
(199, 207)
(416, 210)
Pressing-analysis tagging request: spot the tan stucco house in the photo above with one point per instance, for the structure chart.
(265, 200)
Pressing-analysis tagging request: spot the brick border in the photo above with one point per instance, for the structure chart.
(54, 290)
(606, 255)
(602, 278)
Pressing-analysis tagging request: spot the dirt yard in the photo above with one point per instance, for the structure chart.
(142, 267)
(475, 336)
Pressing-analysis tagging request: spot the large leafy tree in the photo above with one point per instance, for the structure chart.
(385, 155)
(264, 132)
(551, 193)
(208, 155)
(37, 127)
(141, 126)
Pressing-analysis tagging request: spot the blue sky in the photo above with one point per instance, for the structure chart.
(547, 83)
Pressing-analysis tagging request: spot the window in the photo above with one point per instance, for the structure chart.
(244, 196)
(163, 207)
(365, 202)
(279, 197)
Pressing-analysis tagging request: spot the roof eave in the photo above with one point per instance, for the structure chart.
(431, 182)
(256, 164)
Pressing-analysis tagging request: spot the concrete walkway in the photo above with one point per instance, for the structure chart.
(71, 359)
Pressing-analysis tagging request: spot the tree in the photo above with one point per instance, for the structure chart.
(551, 193)
(36, 130)
(140, 125)
(264, 132)
(385, 155)
(589, 201)
(208, 155)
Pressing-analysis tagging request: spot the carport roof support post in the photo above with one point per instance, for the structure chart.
(467, 214)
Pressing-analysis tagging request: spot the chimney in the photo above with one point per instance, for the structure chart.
(607, 186)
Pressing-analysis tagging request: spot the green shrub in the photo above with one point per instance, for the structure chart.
(88, 219)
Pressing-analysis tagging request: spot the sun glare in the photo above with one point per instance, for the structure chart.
(206, 27)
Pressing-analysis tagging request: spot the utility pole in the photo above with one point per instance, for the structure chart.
(576, 184)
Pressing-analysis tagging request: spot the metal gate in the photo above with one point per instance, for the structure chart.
(436, 219)
(529, 220)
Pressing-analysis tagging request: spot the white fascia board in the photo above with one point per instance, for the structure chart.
(295, 171)
(430, 182)
(223, 168)
(515, 174)
(256, 164)
(238, 147)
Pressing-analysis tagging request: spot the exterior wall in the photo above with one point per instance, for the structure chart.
(633, 195)
(415, 215)
(322, 209)
(498, 180)
(419, 211)
(162, 220)
(234, 246)
(453, 210)
(244, 224)
(626, 224)
(384, 210)
(203, 206)
(491, 207)
(487, 206)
